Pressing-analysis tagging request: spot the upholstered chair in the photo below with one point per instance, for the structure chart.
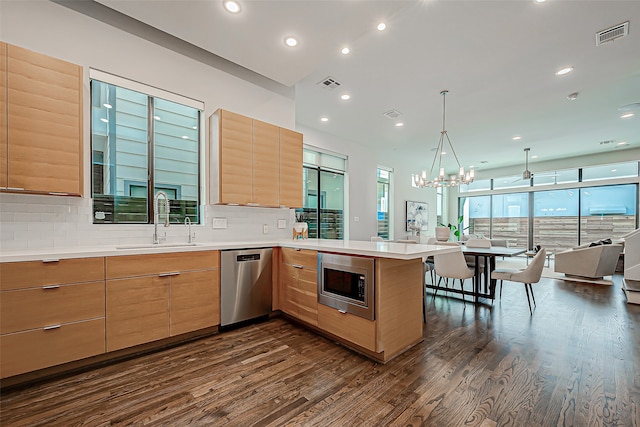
(528, 276)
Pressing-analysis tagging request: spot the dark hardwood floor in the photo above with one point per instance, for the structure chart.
(574, 362)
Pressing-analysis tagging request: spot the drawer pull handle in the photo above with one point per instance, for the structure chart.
(51, 287)
(50, 260)
(173, 273)
(342, 311)
(49, 328)
(297, 266)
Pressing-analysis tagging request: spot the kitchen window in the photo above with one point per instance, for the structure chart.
(140, 140)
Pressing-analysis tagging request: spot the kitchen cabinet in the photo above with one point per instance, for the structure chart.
(51, 312)
(354, 329)
(3, 115)
(42, 123)
(151, 297)
(257, 163)
(290, 168)
(299, 285)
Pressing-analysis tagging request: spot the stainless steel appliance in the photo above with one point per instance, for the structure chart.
(245, 284)
(347, 283)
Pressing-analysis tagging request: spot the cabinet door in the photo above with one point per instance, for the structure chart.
(290, 168)
(137, 311)
(3, 115)
(266, 164)
(288, 285)
(352, 328)
(195, 301)
(308, 295)
(44, 104)
(235, 174)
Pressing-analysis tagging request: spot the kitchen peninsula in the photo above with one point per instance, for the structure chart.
(183, 283)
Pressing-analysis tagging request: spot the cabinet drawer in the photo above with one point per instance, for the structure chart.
(352, 328)
(308, 281)
(32, 274)
(28, 351)
(38, 307)
(145, 265)
(300, 257)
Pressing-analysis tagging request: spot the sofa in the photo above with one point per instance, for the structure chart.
(593, 262)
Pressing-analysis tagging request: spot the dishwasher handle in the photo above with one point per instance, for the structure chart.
(247, 257)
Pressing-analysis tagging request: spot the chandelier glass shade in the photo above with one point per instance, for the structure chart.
(442, 180)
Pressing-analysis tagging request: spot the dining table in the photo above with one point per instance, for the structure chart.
(482, 288)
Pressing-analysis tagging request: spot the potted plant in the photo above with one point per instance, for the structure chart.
(457, 229)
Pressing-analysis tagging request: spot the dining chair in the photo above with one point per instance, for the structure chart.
(528, 276)
(476, 243)
(452, 265)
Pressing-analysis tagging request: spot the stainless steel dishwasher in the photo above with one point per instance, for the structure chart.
(245, 288)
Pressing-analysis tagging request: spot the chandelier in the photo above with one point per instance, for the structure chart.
(463, 177)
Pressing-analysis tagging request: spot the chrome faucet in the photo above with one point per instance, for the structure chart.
(187, 222)
(156, 214)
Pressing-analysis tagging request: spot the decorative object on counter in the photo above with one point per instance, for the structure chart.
(417, 216)
(421, 180)
(300, 227)
(457, 229)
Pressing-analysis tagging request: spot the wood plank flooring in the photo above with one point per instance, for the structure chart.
(574, 362)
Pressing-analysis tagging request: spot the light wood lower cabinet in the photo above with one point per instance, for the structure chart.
(299, 284)
(171, 294)
(354, 329)
(51, 312)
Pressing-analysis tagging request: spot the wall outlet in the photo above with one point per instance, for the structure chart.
(265, 229)
(282, 223)
(219, 222)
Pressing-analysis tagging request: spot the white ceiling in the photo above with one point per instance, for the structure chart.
(496, 58)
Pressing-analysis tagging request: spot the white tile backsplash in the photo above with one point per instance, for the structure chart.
(35, 221)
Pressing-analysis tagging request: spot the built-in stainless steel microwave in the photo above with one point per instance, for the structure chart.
(346, 283)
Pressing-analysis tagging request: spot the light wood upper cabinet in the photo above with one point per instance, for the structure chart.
(235, 158)
(266, 164)
(290, 168)
(3, 115)
(257, 163)
(44, 123)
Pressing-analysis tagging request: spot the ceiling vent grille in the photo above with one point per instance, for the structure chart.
(393, 114)
(608, 141)
(329, 83)
(612, 33)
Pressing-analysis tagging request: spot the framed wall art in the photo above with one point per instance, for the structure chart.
(417, 216)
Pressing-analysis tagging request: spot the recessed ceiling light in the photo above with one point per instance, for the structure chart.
(517, 138)
(345, 97)
(381, 26)
(194, 127)
(185, 137)
(627, 115)
(622, 143)
(399, 124)
(443, 153)
(572, 96)
(324, 119)
(540, 1)
(107, 105)
(614, 170)
(534, 157)
(231, 6)
(290, 41)
(156, 117)
(345, 50)
(563, 71)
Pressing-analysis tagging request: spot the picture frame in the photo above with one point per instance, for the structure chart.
(417, 216)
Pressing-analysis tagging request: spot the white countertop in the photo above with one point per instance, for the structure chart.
(351, 247)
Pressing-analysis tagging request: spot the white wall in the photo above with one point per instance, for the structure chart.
(28, 221)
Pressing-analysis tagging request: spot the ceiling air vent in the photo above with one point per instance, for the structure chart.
(608, 141)
(393, 114)
(612, 33)
(329, 83)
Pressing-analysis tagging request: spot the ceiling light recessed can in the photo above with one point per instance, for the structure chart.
(534, 157)
(516, 138)
(291, 41)
(345, 97)
(345, 50)
(622, 143)
(324, 119)
(381, 26)
(572, 96)
(399, 124)
(627, 115)
(563, 71)
(231, 6)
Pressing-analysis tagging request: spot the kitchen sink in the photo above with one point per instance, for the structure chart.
(158, 245)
